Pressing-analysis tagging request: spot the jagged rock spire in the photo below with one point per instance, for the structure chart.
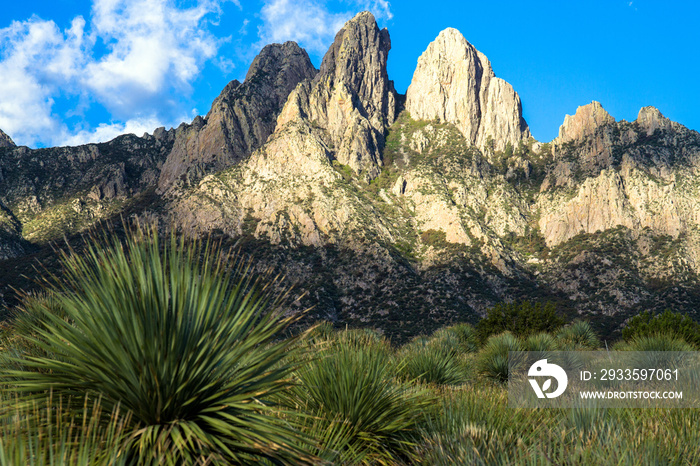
(651, 119)
(5, 140)
(351, 98)
(584, 122)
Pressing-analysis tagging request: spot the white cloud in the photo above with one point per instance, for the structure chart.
(106, 132)
(130, 57)
(312, 24)
(152, 46)
(380, 8)
(37, 60)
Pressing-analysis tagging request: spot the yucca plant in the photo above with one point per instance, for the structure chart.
(466, 335)
(177, 334)
(578, 335)
(492, 360)
(25, 322)
(659, 351)
(361, 338)
(540, 345)
(351, 393)
(660, 342)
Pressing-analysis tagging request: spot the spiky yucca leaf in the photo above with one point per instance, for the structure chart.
(177, 339)
(435, 362)
(467, 336)
(55, 435)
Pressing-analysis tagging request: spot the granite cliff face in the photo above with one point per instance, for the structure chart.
(338, 119)
(241, 118)
(400, 218)
(584, 123)
(620, 174)
(455, 83)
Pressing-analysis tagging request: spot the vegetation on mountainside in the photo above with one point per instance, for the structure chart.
(522, 319)
(149, 352)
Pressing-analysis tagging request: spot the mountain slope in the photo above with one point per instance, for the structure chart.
(400, 213)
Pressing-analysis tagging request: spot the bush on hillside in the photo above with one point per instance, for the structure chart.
(522, 319)
(668, 323)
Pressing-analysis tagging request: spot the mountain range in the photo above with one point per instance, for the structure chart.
(399, 212)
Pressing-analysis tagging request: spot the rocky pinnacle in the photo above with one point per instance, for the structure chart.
(351, 98)
(5, 140)
(455, 83)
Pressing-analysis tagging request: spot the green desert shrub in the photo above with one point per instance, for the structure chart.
(321, 331)
(578, 335)
(361, 338)
(181, 336)
(540, 346)
(26, 320)
(475, 426)
(520, 318)
(668, 323)
(353, 397)
(651, 352)
(655, 343)
(540, 342)
(492, 360)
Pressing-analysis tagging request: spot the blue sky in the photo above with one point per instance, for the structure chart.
(85, 71)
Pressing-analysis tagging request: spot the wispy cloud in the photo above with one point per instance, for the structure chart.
(129, 56)
(312, 24)
(109, 131)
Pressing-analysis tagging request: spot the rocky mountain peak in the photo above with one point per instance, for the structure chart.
(584, 122)
(651, 119)
(241, 118)
(5, 140)
(455, 83)
(351, 98)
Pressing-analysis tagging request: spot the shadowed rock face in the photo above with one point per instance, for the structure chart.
(5, 140)
(241, 118)
(455, 83)
(351, 98)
